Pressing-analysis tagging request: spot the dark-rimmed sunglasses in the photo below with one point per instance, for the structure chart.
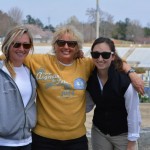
(62, 43)
(105, 55)
(25, 45)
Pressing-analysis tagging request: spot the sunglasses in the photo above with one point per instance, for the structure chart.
(25, 45)
(62, 43)
(105, 55)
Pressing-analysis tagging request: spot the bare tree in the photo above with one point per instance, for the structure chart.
(16, 14)
(134, 31)
(4, 23)
(91, 13)
(106, 25)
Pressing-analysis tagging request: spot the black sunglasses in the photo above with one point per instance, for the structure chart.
(25, 45)
(105, 55)
(62, 43)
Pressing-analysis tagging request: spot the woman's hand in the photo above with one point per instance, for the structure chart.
(131, 145)
(2, 57)
(137, 82)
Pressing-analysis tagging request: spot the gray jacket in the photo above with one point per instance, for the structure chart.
(16, 121)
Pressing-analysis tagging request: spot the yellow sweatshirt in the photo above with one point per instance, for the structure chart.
(60, 96)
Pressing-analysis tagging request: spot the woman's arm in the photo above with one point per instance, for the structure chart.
(137, 82)
(133, 111)
(89, 102)
(2, 57)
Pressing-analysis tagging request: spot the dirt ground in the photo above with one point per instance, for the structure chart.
(145, 114)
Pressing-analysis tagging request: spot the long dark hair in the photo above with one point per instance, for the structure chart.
(118, 62)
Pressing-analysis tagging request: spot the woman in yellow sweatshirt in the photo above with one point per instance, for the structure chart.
(61, 80)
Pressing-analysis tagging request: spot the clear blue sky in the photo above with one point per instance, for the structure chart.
(57, 11)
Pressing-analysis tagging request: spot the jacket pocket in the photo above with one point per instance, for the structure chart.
(11, 123)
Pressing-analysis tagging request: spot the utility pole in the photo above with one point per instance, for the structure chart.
(97, 18)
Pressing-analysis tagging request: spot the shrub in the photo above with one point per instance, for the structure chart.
(144, 98)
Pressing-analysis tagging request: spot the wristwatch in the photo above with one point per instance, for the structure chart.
(131, 70)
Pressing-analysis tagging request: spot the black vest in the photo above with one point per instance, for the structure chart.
(110, 115)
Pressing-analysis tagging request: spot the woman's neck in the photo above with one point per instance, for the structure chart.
(103, 76)
(66, 61)
(65, 64)
(16, 63)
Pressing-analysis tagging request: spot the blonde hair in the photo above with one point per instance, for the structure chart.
(8, 41)
(72, 31)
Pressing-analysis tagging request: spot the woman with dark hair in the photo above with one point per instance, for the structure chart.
(116, 120)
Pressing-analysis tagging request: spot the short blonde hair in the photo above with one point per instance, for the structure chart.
(71, 30)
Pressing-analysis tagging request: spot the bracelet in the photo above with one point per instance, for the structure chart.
(131, 70)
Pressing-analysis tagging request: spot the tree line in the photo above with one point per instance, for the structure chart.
(127, 30)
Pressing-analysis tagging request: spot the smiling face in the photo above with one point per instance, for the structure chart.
(66, 53)
(102, 63)
(17, 53)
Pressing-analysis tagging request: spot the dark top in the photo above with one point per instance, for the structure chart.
(110, 115)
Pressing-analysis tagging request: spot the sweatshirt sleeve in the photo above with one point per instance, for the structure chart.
(89, 102)
(27, 60)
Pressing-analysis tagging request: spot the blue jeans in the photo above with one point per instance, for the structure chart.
(42, 143)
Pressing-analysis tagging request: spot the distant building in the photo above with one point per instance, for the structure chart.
(37, 38)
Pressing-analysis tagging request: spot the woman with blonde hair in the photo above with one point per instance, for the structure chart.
(18, 92)
(61, 90)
